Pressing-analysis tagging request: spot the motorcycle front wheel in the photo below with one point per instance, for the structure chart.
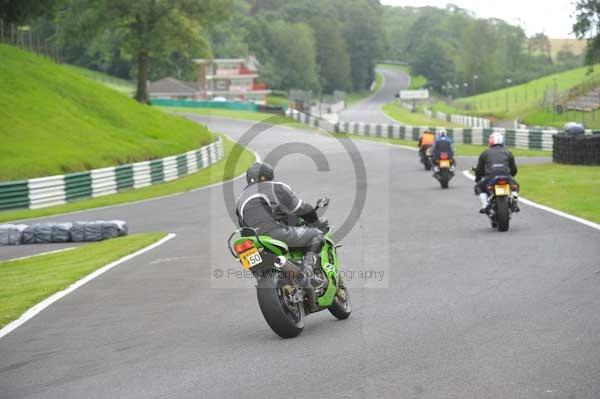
(341, 308)
(283, 315)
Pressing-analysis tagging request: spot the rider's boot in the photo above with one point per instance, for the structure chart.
(483, 197)
(309, 263)
(515, 202)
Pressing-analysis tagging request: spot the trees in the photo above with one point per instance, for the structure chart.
(362, 25)
(20, 11)
(587, 24)
(146, 28)
(293, 57)
(453, 46)
(332, 56)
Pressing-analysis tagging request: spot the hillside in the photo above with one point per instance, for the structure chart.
(573, 45)
(57, 120)
(517, 101)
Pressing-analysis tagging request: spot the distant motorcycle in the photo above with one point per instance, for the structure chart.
(503, 201)
(443, 170)
(425, 155)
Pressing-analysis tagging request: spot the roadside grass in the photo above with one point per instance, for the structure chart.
(404, 116)
(573, 189)
(416, 81)
(26, 282)
(520, 100)
(213, 174)
(468, 150)
(118, 84)
(591, 120)
(277, 101)
(55, 120)
(378, 82)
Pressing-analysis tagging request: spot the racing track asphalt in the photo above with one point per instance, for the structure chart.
(369, 109)
(463, 311)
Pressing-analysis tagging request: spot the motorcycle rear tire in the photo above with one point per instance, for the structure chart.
(502, 213)
(270, 294)
(444, 178)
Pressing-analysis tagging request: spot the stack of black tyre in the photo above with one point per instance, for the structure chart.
(576, 148)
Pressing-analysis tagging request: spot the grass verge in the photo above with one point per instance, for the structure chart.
(204, 177)
(591, 120)
(404, 116)
(573, 189)
(416, 81)
(520, 100)
(29, 281)
(56, 120)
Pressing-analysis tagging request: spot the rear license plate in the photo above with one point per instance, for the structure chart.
(250, 258)
(503, 189)
(444, 164)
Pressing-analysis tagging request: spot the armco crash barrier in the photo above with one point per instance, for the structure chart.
(529, 139)
(576, 150)
(55, 190)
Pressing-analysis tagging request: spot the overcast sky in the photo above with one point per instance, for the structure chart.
(553, 17)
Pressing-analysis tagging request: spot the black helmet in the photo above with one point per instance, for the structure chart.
(259, 171)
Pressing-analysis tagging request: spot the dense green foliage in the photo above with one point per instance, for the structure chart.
(305, 44)
(587, 25)
(317, 45)
(462, 55)
(56, 120)
(144, 28)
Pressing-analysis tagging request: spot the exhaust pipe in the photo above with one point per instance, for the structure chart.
(282, 264)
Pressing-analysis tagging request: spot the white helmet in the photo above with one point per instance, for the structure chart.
(441, 132)
(495, 139)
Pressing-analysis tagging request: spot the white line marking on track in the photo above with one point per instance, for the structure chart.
(547, 208)
(35, 309)
(56, 251)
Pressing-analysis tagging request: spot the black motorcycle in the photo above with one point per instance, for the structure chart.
(503, 201)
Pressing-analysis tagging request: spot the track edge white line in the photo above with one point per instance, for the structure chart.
(546, 208)
(37, 308)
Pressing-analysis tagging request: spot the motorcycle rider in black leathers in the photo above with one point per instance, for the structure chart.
(272, 209)
(495, 161)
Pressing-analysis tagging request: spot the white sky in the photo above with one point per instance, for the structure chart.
(553, 17)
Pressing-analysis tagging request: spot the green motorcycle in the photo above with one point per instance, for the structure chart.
(277, 268)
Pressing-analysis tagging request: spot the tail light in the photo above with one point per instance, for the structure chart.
(444, 156)
(501, 181)
(243, 246)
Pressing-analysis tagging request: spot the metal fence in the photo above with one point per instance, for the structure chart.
(22, 36)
